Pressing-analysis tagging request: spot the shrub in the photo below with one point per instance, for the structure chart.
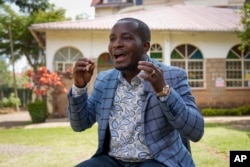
(11, 101)
(244, 110)
(233, 112)
(208, 112)
(38, 111)
(43, 81)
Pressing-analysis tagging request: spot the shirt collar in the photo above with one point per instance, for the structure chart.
(137, 80)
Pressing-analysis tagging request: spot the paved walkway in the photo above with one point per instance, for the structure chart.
(20, 119)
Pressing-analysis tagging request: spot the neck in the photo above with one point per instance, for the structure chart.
(129, 75)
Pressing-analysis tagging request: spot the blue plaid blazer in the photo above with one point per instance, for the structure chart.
(164, 122)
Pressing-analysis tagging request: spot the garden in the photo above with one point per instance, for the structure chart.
(52, 147)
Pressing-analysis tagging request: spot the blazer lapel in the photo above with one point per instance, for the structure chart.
(109, 93)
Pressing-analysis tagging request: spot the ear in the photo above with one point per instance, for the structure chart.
(146, 46)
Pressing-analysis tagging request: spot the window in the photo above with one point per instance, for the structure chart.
(65, 58)
(156, 52)
(138, 2)
(104, 62)
(238, 68)
(110, 1)
(190, 58)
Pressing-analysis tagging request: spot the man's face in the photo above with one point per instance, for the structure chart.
(125, 46)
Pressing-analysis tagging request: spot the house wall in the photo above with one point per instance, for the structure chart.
(93, 43)
(110, 10)
(217, 2)
(105, 11)
(90, 43)
(219, 97)
(236, 2)
(197, 2)
(213, 45)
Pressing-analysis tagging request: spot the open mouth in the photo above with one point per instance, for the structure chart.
(119, 56)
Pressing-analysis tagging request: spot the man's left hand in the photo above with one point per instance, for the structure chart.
(152, 74)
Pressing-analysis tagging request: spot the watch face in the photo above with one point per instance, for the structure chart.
(165, 89)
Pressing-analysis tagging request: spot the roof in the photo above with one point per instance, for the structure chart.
(165, 18)
(95, 2)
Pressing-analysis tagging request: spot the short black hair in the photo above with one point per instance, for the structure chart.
(143, 28)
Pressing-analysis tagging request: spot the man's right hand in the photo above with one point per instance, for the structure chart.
(83, 71)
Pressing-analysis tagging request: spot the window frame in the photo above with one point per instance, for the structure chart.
(243, 59)
(185, 60)
(156, 48)
(66, 56)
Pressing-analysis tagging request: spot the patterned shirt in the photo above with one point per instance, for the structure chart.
(126, 122)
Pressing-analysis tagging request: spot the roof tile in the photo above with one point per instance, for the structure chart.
(173, 18)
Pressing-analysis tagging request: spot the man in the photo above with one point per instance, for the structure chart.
(142, 106)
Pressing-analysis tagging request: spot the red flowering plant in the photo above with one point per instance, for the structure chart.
(43, 82)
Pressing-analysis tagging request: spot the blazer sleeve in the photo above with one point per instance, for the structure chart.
(180, 107)
(82, 109)
(81, 114)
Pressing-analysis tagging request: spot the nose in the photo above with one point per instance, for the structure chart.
(117, 43)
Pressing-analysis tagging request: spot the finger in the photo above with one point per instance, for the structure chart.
(158, 69)
(91, 68)
(147, 68)
(145, 63)
(145, 76)
(84, 62)
(80, 68)
(85, 59)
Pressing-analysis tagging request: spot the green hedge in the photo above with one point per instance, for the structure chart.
(244, 110)
(38, 111)
(11, 101)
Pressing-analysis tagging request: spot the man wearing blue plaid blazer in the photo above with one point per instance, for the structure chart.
(143, 108)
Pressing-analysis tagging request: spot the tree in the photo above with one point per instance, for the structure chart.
(9, 18)
(7, 79)
(23, 41)
(28, 6)
(29, 46)
(16, 39)
(82, 16)
(4, 73)
(45, 83)
(43, 80)
(245, 20)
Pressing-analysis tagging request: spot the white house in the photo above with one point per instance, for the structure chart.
(200, 39)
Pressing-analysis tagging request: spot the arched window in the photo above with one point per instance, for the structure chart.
(238, 68)
(65, 58)
(156, 52)
(104, 62)
(190, 58)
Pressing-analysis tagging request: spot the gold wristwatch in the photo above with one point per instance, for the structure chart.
(165, 91)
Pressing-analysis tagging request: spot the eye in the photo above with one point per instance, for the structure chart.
(112, 39)
(126, 37)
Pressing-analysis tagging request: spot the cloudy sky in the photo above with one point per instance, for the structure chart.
(75, 7)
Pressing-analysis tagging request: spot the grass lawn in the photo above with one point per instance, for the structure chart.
(52, 147)
(213, 149)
